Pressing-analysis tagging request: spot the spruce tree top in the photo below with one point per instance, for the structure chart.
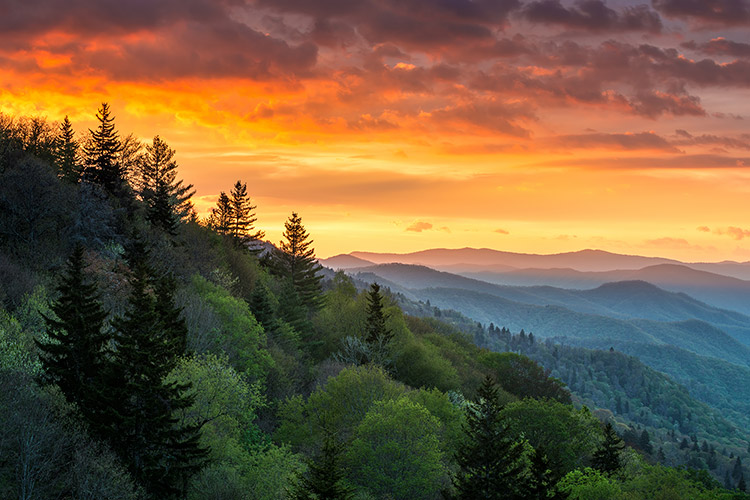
(103, 153)
(296, 260)
(376, 329)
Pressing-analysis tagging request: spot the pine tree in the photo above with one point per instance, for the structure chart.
(261, 307)
(242, 219)
(73, 357)
(541, 480)
(376, 331)
(737, 470)
(221, 215)
(102, 155)
(67, 157)
(143, 429)
(645, 442)
(167, 199)
(491, 461)
(324, 480)
(607, 457)
(296, 261)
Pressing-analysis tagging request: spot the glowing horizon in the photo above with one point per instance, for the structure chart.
(527, 126)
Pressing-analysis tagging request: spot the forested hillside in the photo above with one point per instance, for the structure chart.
(147, 353)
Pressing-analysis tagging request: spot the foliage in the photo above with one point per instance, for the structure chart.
(568, 436)
(234, 331)
(337, 407)
(590, 484)
(524, 378)
(396, 452)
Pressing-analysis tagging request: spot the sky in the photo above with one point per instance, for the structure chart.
(537, 126)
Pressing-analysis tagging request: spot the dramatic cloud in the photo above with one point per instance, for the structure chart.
(720, 47)
(684, 138)
(729, 12)
(593, 15)
(584, 114)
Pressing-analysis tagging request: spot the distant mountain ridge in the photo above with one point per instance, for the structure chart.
(723, 284)
(625, 301)
(480, 260)
(582, 260)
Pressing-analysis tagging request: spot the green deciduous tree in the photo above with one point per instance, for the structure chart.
(491, 460)
(524, 377)
(337, 407)
(590, 484)
(568, 436)
(396, 452)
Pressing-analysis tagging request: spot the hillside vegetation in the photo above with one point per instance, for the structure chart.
(147, 353)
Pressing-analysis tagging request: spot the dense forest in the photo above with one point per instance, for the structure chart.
(146, 353)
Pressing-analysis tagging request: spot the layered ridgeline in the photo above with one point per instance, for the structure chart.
(702, 347)
(146, 353)
(723, 284)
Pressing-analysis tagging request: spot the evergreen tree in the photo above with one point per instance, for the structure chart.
(73, 356)
(324, 480)
(541, 480)
(376, 331)
(607, 457)
(102, 155)
(168, 200)
(221, 215)
(737, 470)
(491, 461)
(645, 442)
(296, 261)
(261, 307)
(242, 219)
(67, 158)
(143, 430)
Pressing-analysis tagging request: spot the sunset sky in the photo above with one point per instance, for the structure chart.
(397, 125)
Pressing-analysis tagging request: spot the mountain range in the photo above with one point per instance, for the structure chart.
(720, 284)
